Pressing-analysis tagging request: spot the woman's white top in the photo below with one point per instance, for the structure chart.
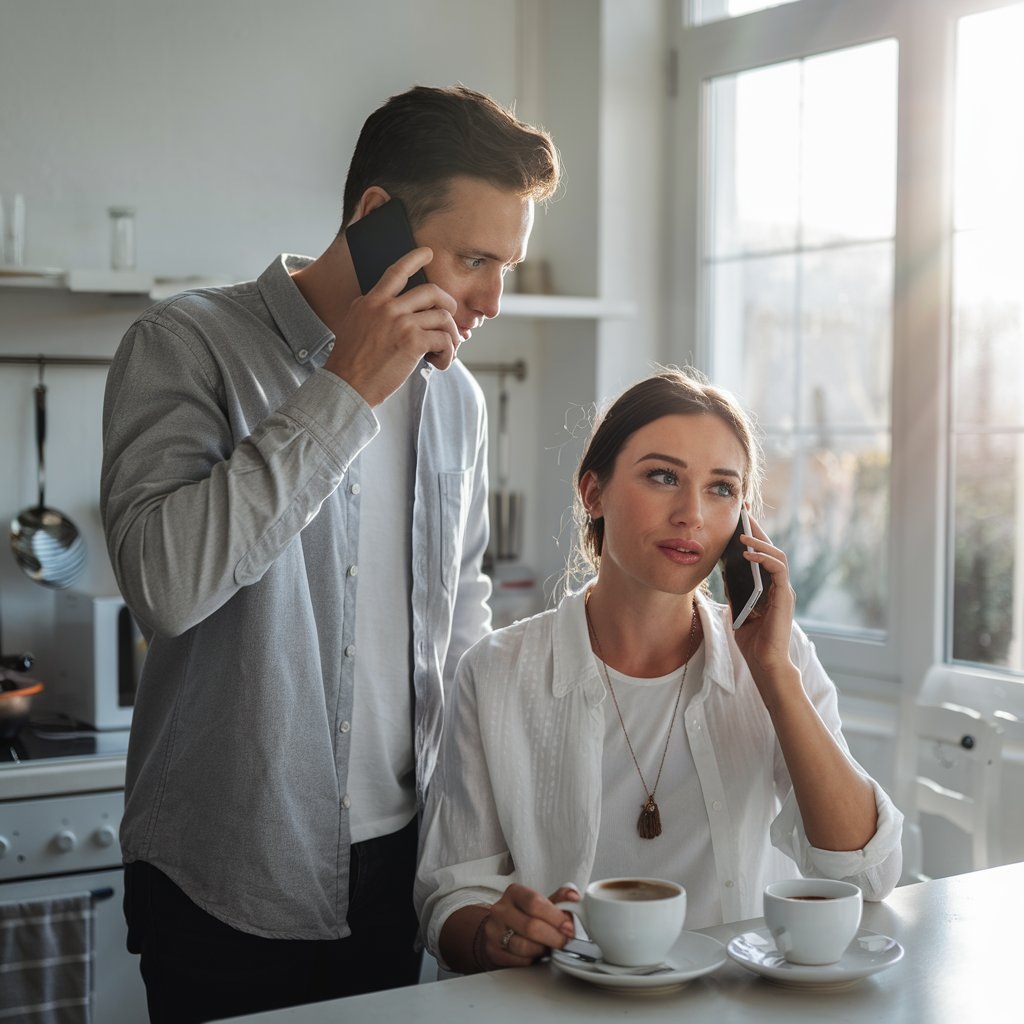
(647, 708)
(518, 792)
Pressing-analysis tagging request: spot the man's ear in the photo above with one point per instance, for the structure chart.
(373, 197)
(590, 494)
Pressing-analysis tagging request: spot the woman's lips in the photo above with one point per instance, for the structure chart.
(682, 552)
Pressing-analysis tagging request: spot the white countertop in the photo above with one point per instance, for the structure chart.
(960, 966)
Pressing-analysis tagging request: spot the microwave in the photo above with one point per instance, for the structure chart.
(98, 654)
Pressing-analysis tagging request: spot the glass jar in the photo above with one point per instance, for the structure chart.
(122, 237)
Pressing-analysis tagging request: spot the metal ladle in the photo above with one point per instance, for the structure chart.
(45, 542)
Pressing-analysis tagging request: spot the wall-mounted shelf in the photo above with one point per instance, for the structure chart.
(114, 282)
(565, 307)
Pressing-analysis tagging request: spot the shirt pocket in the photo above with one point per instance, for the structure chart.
(454, 487)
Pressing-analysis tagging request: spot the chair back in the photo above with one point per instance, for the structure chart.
(959, 767)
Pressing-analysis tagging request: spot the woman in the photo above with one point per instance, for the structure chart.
(631, 730)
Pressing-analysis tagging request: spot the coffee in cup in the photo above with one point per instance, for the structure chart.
(635, 921)
(813, 920)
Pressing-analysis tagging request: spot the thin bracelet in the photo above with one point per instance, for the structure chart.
(478, 943)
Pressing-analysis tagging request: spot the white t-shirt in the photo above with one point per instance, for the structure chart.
(683, 851)
(382, 769)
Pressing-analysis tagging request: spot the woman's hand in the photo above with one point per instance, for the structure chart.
(522, 926)
(764, 638)
(513, 932)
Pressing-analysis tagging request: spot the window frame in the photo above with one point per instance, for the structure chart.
(925, 33)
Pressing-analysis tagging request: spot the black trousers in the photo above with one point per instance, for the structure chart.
(196, 968)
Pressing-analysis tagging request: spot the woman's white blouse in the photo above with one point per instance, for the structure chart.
(517, 792)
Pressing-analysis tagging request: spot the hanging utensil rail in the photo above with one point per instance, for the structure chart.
(516, 369)
(55, 360)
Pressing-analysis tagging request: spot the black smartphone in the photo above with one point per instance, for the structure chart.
(744, 588)
(377, 240)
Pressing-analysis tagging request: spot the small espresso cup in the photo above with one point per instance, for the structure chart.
(635, 921)
(812, 920)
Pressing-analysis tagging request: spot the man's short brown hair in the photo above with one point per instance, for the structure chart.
(418, 141)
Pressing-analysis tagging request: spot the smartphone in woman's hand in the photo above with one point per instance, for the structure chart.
(744, 588)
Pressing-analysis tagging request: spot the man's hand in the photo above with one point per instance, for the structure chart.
(385, 333)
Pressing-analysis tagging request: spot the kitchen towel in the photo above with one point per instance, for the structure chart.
(46, 960)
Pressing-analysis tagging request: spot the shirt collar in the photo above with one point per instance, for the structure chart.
(305, 333)
(574, 664)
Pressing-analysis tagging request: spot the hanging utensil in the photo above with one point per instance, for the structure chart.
(45, 542)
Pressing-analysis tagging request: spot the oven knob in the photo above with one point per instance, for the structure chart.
(65, 840)
(104, 836)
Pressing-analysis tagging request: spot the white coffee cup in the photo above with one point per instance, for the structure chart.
(813, 920)
(634, 920)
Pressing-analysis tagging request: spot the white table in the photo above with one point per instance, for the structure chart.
(963, 937)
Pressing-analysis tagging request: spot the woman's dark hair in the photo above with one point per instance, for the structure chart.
(418, 141)
(672, 392)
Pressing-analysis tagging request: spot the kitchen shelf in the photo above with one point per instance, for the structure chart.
(565, 307)
(513, 304)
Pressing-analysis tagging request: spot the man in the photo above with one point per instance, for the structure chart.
(294, 498)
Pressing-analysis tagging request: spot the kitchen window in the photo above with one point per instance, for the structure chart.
(847, 259)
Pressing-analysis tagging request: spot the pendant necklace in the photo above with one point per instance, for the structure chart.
(649, 822)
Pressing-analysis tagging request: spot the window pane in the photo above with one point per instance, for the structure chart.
(989, 550)
(846, 351)
(702, 11)
(987, 473)
(755, 156)
(828, 508)
(799, 290)
(848, 141)
(989, 327)
(754, 334)
(989, 126)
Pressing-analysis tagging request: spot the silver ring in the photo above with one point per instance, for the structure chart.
(507, 937)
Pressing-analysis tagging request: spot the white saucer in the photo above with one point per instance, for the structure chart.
(690, 957)
(867, 954)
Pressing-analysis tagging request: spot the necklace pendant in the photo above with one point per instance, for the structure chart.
(649, 822)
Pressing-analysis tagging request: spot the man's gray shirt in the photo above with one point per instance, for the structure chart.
(231, 510)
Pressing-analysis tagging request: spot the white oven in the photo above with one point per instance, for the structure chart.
(61, 798)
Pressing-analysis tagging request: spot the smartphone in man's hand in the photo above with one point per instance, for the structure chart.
(378, 240)
(743, 586)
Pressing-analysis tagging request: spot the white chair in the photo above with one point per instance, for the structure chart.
(959, 762)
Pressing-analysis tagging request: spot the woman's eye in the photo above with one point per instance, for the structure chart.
(475, 262)
(724, 490)
(663, 476)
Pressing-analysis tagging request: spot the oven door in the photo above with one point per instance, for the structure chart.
(120, 996)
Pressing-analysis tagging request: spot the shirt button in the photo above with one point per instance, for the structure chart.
(330, 346)
(303, 353)
(350, 651)
(717, 805)
(346, 802)
(728, 884)
(353, 570)
(345, 726)
(355, 488)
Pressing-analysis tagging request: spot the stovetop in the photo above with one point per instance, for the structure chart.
(53, 740)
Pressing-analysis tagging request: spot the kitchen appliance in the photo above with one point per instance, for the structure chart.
(96, 661)
(514, 594)
(61, 799)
